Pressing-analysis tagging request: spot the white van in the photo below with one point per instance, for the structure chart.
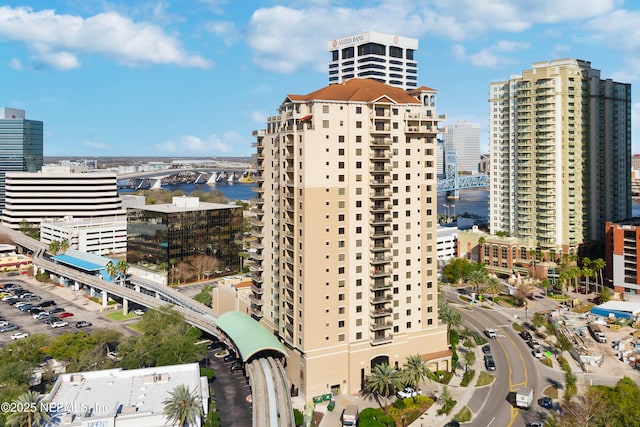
(350, 416)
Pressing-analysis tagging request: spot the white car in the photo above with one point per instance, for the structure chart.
(408, 392)
(537, 353)
(138, 312)
(19, 335)
(3, 323)
(491, 333)
(59, 324)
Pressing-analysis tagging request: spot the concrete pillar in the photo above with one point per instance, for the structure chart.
(137, 288)
(104, 299)
(125, 306)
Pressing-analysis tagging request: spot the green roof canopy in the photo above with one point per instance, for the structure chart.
(249, 336)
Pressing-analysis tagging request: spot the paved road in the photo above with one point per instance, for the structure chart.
(231, 393)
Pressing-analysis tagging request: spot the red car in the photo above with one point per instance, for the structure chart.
(65, 314)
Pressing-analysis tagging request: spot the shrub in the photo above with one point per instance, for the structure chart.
(298, 417)
(374, 417)
(399, 404)
(467, 377)
(484, 378)
(464, 416)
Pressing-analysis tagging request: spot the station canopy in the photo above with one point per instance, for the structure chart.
(249, 336)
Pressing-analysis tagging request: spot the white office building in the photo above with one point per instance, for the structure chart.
(56, 193)
(386, 58)
(122, 398)
(100, 236)
(464, 138)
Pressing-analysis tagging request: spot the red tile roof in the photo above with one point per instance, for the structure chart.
(359, 90)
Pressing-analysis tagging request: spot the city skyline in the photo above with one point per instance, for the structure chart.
(168, 79)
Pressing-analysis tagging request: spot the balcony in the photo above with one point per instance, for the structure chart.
(380, 259)
(381, 312)
(380, 246)
(380, 326)
(256, 299)
(380, 339)
(257, 289)
(380, 219)
(380, 155)
(380, 207)
(380, 168)
(380, 181)
(380, 272)
(380, 142)
(380, 298)
(380, 128)
(380, 194)
(382, 284)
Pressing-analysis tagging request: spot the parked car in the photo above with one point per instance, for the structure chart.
(56, 310)
(19, 335)
(3, 323)
(489, 363)
(59, 324)
(525, 335)
(230, 357)
(47, 303)
(41, 315)
(537, 353)
(237, 366)
(452, 424)
(49, 319)
(35, 310)
(533, 343)
(486, 349)
(408, 392)
(138, 312)
(65, 314)
(9, 327)
(546, 402)
(83, 324)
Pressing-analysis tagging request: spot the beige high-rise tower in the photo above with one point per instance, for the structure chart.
(346, 263)
(560, 146)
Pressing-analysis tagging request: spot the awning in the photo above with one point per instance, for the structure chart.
(305, 118)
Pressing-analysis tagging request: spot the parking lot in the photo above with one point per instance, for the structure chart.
(70, 301)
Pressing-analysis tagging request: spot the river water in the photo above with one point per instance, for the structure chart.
(473, 201)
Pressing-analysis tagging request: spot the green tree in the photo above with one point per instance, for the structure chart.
(606, 294)
(598, 265)
(570, 385)
(122, 267)
(29, 230)
(33, 413)
(54, 247)
(477, 278)
(494, 286)
(64, 245)
(204, 296)
(415, 370)
(183, 407)
(448, 316)
(111, 270)
(383, 382)
(545, 284)
(563, 344)
(469, 357)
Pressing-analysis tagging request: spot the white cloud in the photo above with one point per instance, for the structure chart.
(227, 30)
(286, 39)
(618, 30)
(57, 40)
(493, 57)
(16, 64)
(259, 117)
(97, 145)
(210, 146)
(459, 52)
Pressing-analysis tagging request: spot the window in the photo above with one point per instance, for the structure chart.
(340, 297)
(340, 323)
(325, 124)
(341, 337)
(358, 125)
(325, 109)
(358, 110)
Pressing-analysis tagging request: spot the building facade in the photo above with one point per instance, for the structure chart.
(345, 272)
(170, 233)
(100, 236)
(56, 193)
(621, 257)
(383, 57)
(464, 138)
(21, 145)
(560, 150)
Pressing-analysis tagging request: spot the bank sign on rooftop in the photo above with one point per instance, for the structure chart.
(374, 37)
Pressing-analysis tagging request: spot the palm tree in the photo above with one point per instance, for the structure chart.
(183, 407)
(415, 370)
(494, 286)
(477, 278)
(598, 265)
(384, 381)
(122, 268)
(33, 413)
(111, 270)
(64, 245)
(54, 247)
(448, 316)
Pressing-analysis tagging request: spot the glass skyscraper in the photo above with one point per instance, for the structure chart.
(21, 145)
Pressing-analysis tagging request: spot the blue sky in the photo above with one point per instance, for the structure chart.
(196, 77)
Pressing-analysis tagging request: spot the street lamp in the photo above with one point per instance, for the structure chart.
(403, 417)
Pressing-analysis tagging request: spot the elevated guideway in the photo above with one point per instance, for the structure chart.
(269, 385)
